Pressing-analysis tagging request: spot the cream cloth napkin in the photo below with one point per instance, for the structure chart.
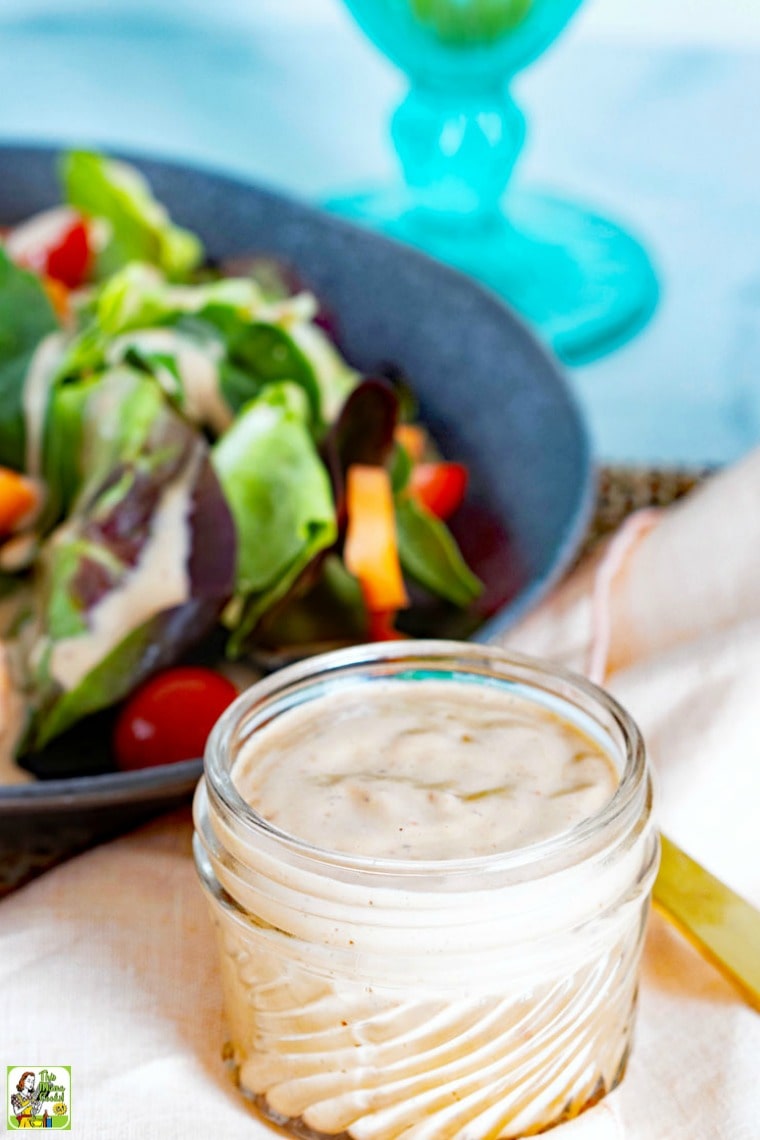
(108, 963)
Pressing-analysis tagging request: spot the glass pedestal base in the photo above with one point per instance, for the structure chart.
(580, 280)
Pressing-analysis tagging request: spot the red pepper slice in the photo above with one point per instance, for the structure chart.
(69, 260)
(380, 626)
(55, 244)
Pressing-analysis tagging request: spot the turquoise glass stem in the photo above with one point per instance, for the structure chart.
(581, 280)
(457, 152)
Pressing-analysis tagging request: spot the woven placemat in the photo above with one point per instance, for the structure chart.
(623, 490)
(620, 491)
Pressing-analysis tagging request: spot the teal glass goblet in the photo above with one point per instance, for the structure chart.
(579, 279)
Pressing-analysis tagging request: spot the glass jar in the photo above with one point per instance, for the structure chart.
(471, 997)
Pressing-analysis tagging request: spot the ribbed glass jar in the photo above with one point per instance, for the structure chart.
(467, 998)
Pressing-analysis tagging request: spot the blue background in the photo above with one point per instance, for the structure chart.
(665, 136)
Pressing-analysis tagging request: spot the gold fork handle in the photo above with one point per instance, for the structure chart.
(721, 924)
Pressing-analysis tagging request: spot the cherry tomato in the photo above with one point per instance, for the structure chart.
(169, 718)
(438, 486)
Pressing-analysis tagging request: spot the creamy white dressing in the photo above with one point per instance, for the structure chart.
(423, 770)
(102, 424)
(241, 293)
(198, 367)
(36, 397)
(158, 582)
(298, 309)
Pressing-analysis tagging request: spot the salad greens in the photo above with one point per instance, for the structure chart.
(193, 434)
(26, 317)
(138, 227)
(123, 568)
(429, 553)
(280, 496)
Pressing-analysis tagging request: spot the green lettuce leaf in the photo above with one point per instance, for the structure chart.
(63, 447)
(334, 379)
(429, 553)
(279, 493)
(26, 318)
(330, 613)
(269, 354)
(139, 297)
(140, 229)
(92, 423)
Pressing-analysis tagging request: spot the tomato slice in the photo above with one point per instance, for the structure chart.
(438, 486)
(169, 718)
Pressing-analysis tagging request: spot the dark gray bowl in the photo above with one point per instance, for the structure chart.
(491, 395)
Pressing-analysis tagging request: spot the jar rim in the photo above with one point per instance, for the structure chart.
(492, 660)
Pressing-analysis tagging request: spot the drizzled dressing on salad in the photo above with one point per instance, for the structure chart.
(36, 395)
(197, 372)
(158, 582)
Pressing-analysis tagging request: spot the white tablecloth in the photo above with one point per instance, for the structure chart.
(108, 963)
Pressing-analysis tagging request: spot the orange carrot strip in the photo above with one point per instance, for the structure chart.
(413, 440)
(371, 549)
(18, 498)
(58, 296)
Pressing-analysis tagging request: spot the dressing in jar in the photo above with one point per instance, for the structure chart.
(429, 865)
